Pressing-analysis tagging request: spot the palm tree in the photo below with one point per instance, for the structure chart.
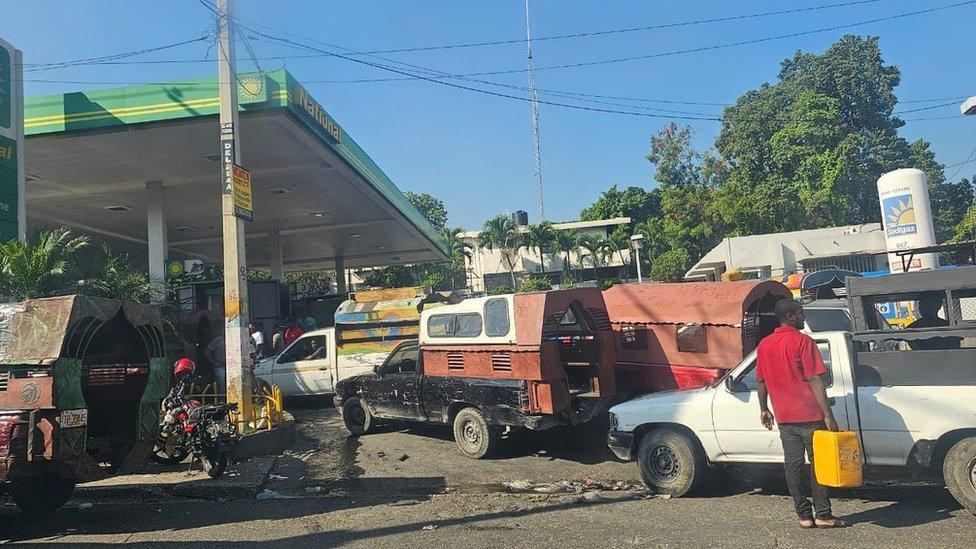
(566, 242)
(617, 242)
(596, 246)
(540, 237)
(41, 268)
(116, 279)
(502, 233)
(459, 251)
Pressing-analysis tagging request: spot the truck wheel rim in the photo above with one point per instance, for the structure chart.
(471, 433)
(664, 463)
(972, 473)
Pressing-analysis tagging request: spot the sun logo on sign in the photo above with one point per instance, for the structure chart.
(901, 213)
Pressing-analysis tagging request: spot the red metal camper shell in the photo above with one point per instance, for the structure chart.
(719, 323)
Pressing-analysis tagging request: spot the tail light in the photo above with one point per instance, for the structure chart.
(183, 416)
(189, 427)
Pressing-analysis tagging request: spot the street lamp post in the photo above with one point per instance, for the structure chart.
(635, 241)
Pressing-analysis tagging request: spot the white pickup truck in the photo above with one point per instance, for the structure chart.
(921, 415)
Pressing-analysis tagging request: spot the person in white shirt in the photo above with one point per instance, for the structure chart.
(257, 339)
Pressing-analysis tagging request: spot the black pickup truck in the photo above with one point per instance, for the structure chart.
(479, 408)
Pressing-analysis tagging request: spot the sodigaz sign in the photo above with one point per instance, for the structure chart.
(302, 99)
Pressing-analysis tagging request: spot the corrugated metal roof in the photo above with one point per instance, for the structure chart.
(714, 303)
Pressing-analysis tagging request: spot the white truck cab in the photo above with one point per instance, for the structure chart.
(674, 436)
(306, 367)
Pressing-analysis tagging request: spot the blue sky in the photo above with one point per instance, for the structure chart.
(475, 151)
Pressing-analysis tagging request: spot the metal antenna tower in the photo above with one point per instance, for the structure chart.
(534, 99)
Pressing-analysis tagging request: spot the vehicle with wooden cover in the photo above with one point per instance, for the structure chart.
(685, 335)
(81, 381)
(531, 360)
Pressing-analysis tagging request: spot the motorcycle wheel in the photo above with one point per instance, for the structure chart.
(167, 456)
(215, 463)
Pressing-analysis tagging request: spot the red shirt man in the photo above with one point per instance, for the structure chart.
(786, 359)
(788, 369)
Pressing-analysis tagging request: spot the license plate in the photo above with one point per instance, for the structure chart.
(74, 418)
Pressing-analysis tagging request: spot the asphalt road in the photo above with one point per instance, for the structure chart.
(408, 487)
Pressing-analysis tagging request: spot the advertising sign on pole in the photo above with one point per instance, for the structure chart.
(12, 213)
(243, 200)
(907, 217)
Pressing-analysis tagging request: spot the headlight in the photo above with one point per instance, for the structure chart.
(613, 421)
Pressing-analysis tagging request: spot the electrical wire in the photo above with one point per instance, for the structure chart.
(34, 67)
(610, 31)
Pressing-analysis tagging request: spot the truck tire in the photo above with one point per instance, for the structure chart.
(356, 418)
(42, 493)
(474, 437)
(959, 471)
(670, 462)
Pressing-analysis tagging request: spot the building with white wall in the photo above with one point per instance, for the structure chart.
(859, 248)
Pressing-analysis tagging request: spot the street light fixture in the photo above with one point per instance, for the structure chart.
(636, 241)
(968, 106)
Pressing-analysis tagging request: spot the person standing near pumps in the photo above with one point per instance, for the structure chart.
(788, 371)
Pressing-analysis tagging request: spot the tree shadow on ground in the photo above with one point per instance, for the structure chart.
(66, 523)
(118, 518)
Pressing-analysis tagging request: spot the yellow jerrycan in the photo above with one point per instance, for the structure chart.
(837, 458)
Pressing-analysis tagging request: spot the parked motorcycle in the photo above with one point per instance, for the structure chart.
(188, 427)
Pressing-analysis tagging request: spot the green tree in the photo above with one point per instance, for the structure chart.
(460, 252)
(42, 268)
(595, 246)
(501, 233)
(567, 242)
(806, 151)
(115, 278)
(430, 207)
(670, 266)
(540, 237)
(688, 180)
(634, 202)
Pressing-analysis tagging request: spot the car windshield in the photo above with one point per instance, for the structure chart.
(828, 320)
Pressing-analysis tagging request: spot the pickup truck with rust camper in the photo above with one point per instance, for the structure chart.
(907, 393)
(531, 360)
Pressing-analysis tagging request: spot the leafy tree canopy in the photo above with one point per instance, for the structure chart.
(633, 202)
(431, 208)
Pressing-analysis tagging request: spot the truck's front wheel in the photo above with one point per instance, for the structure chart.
(959, 470)
(474, 437)
(670, 462)
(355, 417)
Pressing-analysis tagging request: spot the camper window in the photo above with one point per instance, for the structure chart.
(440, 326)
(693, 338)
(496, 317)
(459, 325)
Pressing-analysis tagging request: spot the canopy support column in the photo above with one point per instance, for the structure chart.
(156, 227)
(277, 254)
(340, 275)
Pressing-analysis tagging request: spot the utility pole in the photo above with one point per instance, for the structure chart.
(534, 97)
(235, 260)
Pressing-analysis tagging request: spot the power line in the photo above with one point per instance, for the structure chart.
(959, 165)
(590, 34)
(436, 80)
(34, 67)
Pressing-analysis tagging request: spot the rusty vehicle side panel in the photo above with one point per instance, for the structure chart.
(647, 318)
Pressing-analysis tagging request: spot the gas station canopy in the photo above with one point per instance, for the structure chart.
(104, 161)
